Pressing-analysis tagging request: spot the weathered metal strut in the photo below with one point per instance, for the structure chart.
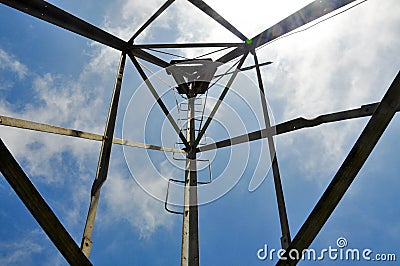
(285, 238)
(39, 209)
(46, 128)
(104, 160)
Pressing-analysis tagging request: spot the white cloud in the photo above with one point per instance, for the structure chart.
(339, 64)
(9, 62)
(252, 16)
(82, 104)
(133, 15)
(127, 201)
(19, 251)
(61, 103)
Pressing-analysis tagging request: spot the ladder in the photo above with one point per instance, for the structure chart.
(182, 107)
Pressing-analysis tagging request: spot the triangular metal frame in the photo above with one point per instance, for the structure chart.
(381, 113)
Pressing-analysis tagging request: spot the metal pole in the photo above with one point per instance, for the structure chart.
(102, 167)
(190, 229)
(285, 239)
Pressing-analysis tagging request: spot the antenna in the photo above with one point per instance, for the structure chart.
(194, 78)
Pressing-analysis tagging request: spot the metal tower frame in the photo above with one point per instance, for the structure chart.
(381, 114)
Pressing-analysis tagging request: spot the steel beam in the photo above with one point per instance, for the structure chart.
(30, 125)
(220, 99)
(39, 209)
(190, 229)
(56, 16)
(218, 18)
(285, 238)
(307, 14)
(346, 173)
(151, 19)
(104, 160)
(159, 100)
(293, 125)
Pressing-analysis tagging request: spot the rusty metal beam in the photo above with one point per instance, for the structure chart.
(39, 209)
(295, 124)
(285, 238)
(104, 160)
(347, 172)
(30, 125)
(56, 16)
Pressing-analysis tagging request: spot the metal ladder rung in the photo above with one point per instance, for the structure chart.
(209, 169)
(185, 110)
(196, 129)
(185, 103)
(178, 159)
(166, 197)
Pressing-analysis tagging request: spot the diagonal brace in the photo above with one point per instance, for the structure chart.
(159, 100)
(285, 239)
(307, 14)
(218, 103)
(151, 19)
(39, 209)
(347, 171)
(218, 18)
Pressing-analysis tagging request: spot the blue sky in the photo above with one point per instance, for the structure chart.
(52, 76)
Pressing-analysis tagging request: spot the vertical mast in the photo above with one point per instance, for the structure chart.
(190, 229)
